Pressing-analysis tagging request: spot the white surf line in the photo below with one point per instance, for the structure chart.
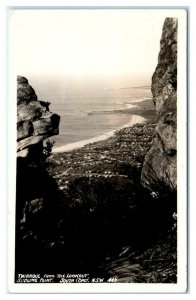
(69, 147)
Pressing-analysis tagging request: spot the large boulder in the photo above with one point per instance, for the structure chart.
(34, 120)
(24, 91)
(159, 169)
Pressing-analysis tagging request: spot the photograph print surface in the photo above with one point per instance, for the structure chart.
(95, 93)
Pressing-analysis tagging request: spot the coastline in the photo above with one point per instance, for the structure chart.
(140, 117)
(77, 145)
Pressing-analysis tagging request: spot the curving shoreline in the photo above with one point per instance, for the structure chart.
(69, 147)
(140, 114)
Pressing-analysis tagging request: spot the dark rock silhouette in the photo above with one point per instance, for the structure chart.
(35, 190)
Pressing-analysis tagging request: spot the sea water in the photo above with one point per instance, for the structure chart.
(90, 108)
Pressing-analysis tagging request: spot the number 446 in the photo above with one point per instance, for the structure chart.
(112, 279)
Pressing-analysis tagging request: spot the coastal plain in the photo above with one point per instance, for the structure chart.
(112, 157)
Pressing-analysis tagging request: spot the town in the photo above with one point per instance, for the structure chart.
(115, 157)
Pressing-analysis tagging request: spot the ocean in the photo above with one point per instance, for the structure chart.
(90, 108)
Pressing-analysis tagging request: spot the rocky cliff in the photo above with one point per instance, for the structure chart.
(34, 120)
(35, 189)
(160, 163)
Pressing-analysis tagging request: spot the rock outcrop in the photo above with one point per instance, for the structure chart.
(35, 190)
(159, 167)
(34, 120)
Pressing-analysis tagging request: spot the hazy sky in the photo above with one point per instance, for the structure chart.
(93, 41)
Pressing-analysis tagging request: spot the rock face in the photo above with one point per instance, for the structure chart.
(160, 163)
(35, 189)
(34, 120)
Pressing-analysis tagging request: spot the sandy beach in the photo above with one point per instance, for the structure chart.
(135, 119)
(144, 109)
